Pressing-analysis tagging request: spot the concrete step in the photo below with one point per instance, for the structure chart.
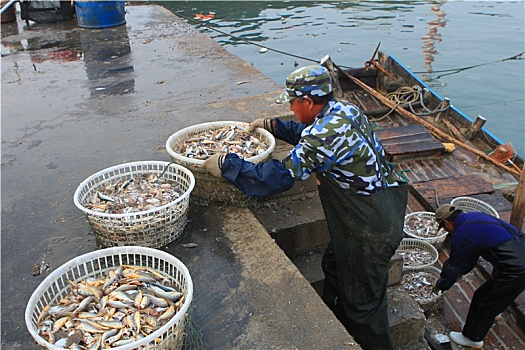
(407, 319)
(298, 226)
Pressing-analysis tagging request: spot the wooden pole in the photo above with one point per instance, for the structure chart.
(338, 91)
(476, 127)
(426, 124)
(518, 207)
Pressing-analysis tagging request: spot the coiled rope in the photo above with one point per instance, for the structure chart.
(407, 96)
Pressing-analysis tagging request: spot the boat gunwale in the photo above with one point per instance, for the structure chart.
(460, 113)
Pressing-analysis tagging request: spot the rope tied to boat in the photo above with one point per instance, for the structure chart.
(407, 96)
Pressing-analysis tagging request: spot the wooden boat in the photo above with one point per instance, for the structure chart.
(443, 154)
(440, 151)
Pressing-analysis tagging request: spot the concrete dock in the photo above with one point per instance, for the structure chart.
(76, 101)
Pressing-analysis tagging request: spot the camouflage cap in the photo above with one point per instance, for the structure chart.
(307, 81)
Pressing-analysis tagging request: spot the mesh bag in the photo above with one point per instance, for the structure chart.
(44, 11)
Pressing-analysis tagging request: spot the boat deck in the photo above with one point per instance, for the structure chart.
(436, 177)
(508, 332)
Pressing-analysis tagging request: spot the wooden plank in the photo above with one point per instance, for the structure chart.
(408, 140)
(518, 208)
(457, 186)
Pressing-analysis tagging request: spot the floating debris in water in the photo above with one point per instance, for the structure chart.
(132, 195)
(229, 139)
(124, 305)
(419, 284)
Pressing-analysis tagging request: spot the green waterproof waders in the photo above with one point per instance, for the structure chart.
(365, 232)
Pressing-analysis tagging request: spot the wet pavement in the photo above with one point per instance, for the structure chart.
(76, 101)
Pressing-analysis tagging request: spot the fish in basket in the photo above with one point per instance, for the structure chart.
(140, 203)
(191, 146)
(122, 297)
(422, 225)
(419, 282)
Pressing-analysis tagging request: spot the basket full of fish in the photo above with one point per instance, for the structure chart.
(139, 203)
(422, 225)
(419, 281)
(417, 253)
(191, 146)
(115, 298)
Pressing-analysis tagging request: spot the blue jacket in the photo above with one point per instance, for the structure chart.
(475, 235)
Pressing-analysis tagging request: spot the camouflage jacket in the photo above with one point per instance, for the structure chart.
(333, 147)
(329, 146)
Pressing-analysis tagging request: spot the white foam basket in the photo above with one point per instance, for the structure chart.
(152, 228)
(468, 205)
(180, 136)
(94, 264)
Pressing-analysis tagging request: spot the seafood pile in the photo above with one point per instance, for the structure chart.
(229, 139)
(415, 256)
(135, 194)
(419, 284)
(423, 226)
(125, 305)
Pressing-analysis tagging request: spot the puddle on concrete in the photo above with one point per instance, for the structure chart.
(106, 53)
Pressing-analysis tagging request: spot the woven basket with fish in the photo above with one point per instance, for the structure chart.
(418, 282)
(468, 204)
(140, 203)
(417, 253)
(122, 285)
(422, 225)
(191, 146)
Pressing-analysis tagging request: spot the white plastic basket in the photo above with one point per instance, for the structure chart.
(467, 205)
(411, 243)
(152, 228)
(195, 164)
(94, 264)
(427, 303)
(427, 233)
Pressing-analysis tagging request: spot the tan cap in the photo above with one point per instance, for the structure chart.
(443, 213)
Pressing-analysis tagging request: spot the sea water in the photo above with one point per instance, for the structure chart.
(462, 49)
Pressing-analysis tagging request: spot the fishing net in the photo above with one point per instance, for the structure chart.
(192, 334)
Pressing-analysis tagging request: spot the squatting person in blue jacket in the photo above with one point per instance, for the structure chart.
(364, 203)
(474, 235)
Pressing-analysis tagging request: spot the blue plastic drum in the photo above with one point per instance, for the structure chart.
(100, 14)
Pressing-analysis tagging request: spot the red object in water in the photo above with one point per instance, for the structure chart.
(211, 15)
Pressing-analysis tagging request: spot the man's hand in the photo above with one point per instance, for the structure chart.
(213, 165)
(264, 123)
(435, 289)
